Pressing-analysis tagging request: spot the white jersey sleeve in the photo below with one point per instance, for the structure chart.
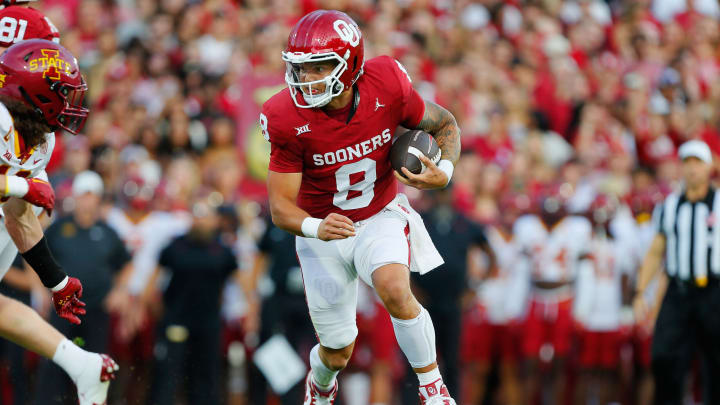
(584, 291)
(580, 231)
(14, 158)
(159, 230)
(526, 230)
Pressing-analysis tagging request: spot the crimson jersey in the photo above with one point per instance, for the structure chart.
(18, 23)
(346, 166)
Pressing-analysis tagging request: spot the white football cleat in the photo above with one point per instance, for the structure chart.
(93, 383)
(435, 393)
(313, 395)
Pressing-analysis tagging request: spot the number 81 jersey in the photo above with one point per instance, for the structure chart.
(345, 166)
(18, 23)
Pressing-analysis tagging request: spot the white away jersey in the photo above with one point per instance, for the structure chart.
(146, 239)
(553, 252)
(504, 296)
(15, 159)
(599, 286)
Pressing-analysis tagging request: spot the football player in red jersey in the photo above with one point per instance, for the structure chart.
(41, 90)
(19, 21)
(331, 183)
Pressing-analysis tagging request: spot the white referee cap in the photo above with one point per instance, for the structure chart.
(696, 149)
(87, 182)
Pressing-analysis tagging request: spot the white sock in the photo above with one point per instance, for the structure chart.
(416, 338)
(323, 377)
(71, 358)
(429, 377)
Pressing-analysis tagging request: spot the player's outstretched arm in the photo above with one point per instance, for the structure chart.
(26, 232)
(441, 124)
(283, 189)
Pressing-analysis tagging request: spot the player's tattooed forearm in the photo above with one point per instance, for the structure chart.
(441, 124)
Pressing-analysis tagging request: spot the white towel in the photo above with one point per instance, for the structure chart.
(423, 254)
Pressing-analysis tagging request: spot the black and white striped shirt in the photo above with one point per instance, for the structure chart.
(692, 236)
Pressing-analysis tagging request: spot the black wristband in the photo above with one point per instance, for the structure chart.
(42, 261)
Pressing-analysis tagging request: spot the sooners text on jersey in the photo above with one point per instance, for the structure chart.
(346, 166)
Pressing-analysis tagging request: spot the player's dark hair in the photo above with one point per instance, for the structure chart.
(28, 122)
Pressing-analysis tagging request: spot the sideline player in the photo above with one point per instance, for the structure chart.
(553, 242)
(41, 90)
(331, 183)
(601, 280)
(492, 329)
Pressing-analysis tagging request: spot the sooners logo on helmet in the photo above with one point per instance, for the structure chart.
(46, 77)
(323, 36)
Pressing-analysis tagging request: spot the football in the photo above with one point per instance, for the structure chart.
(407, 148)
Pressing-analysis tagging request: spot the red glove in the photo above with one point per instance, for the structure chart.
(41, 194)
(67, 302)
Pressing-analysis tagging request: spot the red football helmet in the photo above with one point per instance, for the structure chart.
(138, 193)
(45, 76)
(324, 35)
(603, 208)
(552, 203)
(512, 205)
(642, 203)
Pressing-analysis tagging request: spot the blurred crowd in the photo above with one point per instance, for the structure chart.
(585, 101)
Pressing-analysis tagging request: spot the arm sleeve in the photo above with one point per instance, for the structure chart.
(412, 104)
(285, 151)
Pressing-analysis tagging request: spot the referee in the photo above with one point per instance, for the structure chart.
(688, 224)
